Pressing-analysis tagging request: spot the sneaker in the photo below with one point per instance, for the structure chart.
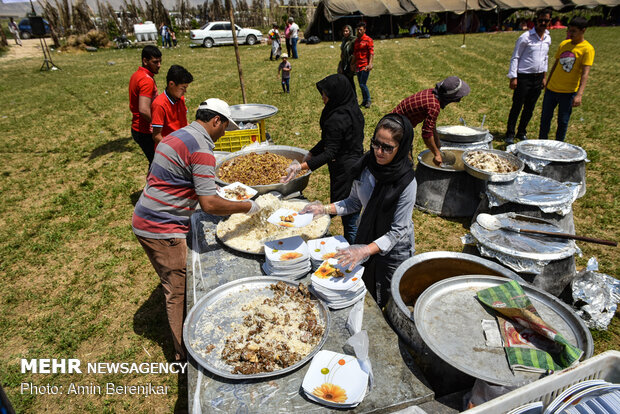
(509, 139)
(521, 137)
(367, 105)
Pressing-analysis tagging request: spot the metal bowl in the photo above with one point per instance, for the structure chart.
(493, 176)
(426, 158)
(293, 153)
(445, 136)
(252, 112)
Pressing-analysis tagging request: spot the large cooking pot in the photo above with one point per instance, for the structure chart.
(294, 153)
(412, 278)
(444, 135)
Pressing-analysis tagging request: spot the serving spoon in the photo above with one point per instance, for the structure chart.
(448, 159)
(491, 223)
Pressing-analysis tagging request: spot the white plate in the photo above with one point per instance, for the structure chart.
(585, 395)
(282, 272)
(349, 280)
(250, 192)
(343, 371)
(327, 245)
(287, 275)
(573, 389)
(343, 294)
(276, 250)
(299, 220)
(339, 303)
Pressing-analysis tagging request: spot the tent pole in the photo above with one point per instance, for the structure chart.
(234, 34)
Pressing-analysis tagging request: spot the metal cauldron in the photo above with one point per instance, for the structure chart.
(410, 279)
(447, 192)
(294, 153)
(444, 135)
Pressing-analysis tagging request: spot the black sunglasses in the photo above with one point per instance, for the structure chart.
(388, 149)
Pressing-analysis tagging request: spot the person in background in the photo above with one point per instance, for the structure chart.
(346, 55)
(294, 32)
(285, 68)
(425, 106)
(287, 37)
(528, 68)
(168, 109)
(142, 92)
(363, 54)
(173, 36)
(341, 144)
(384, 191)
(274, 36)
(180, 179)
(567, 79)
(15, 31)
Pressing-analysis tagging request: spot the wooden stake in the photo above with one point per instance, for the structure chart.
(234, 33)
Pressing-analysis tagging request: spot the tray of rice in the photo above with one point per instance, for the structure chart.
(256, 327)
(460, 133)
(262, 169)
(247, 234)
(492, 165)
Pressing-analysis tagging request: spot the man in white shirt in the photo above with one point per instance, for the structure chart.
(294, 34)
(528, 69)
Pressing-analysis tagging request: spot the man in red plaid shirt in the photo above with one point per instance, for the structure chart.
(425, 106)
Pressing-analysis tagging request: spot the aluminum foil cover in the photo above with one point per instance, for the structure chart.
(551, 151)
(486, 143)
(549, 195)
(599, 293)
(520, 252)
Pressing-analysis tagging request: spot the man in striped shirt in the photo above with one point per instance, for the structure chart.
(425, 106)
(181, 177)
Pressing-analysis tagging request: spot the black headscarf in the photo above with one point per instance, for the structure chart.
(342, 102)
(391, 180)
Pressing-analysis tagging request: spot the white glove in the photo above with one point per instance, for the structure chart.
(316, 208)
(353, 255)
(291, 171)
(254, 209)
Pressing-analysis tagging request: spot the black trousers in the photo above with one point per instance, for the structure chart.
(146, 144)
(529, 87)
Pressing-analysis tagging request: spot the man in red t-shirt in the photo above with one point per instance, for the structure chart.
(142, 92)
(363, 54)
(168, 109)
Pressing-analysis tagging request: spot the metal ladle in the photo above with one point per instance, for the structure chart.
(448, 159)
(491, 223)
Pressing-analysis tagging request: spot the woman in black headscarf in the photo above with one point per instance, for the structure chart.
(346, 55)
(385, 190)
(341, 144)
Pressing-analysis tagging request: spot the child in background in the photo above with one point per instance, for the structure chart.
(285, 67)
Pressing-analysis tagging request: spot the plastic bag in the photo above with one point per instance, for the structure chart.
(359, 342)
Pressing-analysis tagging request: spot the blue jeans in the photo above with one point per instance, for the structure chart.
(294, 46)
(564, 102)
(285, 85)
(362, 78)
(349, 223)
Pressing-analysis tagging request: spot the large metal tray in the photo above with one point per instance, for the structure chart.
(448, 317)
(493, 176)
(294, 153)
(444, 136)
(216, 306)
(252, 112)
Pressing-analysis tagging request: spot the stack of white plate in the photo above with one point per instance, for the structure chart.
(325, 248)
(338, 291)
(335, 380)
(288, 258)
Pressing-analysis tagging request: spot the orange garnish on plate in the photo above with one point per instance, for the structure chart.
(290, 256)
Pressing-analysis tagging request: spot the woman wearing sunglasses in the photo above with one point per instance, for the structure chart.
(341, 145)
(385, 191)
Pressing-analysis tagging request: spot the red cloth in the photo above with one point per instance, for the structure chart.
(141, 83)
(421, 106)
(168, 114)
(363, 48)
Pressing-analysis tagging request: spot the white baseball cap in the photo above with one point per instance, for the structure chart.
(222, 108)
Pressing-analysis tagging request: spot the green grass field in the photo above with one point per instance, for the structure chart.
(75, 283)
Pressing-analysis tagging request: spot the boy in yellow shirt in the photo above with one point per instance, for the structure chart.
(567, 81)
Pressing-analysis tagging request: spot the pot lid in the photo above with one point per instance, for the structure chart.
(532, 190)
(547, 150)
(252, 112)
(448, 317)
(524, 245)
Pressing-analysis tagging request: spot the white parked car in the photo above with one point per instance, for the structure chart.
(219, 33)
